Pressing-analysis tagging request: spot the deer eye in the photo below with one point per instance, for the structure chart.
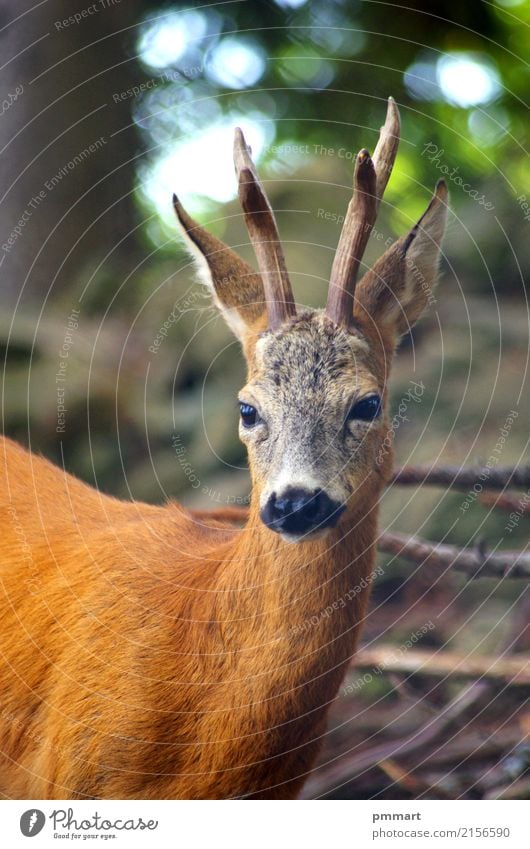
(366, 409)
(249, 415)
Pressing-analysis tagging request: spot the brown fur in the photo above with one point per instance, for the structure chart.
(147, 654)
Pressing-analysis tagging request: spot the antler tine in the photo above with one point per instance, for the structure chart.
(263, 232)
(356, 229)
(369, 182)
(386, 147)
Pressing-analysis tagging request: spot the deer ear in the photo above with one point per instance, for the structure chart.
(236, 288)
(395, 291)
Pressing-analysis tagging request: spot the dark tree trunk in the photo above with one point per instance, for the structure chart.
(67, 146)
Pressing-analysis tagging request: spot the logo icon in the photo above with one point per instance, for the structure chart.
(32, 822)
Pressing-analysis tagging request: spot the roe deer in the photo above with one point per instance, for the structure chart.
(150, 652)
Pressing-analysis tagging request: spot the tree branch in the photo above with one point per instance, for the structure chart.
(507, 502)
(463, 477)
(474, 562)
(514, 670)
(340, 770)
(328, 776)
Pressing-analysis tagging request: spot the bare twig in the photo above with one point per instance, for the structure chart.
(464, 477)
(401, 777)
(508, 503)
(475, 562)
(514, 670)
(470, 744)
(349, 767)
(326, 778)
(516, 790)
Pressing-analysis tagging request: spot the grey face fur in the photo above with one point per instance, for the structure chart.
(306, 377)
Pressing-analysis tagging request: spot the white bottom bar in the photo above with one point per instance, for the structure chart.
(266, 825)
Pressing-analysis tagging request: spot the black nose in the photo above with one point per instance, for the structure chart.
(298, 511)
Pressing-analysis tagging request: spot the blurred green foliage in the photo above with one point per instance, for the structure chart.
(317, 75)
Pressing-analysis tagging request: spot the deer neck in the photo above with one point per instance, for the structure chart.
(311, 593)
(288, 618)
(281, 627)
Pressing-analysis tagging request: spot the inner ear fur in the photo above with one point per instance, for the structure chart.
(396, 290)
(236, 288)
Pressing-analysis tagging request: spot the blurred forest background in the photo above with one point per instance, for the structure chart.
(111, 351)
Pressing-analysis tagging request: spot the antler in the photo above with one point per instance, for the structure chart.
(370, 178)
(263, 232)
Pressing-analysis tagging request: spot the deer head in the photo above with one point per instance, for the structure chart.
(313, 410)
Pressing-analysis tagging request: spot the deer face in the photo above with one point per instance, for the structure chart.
(312, 413)
(312, 420)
